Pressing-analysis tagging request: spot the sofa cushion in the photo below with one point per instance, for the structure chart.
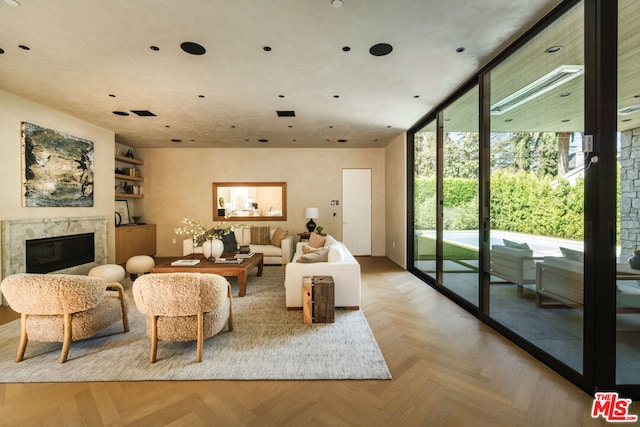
(230, 243)
(572, 254)
(266, 250)
(321, 255)
(243, 235)
(516, 245)
(316, 240)
(260, 236)
(278, 235)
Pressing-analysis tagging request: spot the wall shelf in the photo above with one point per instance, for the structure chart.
(129, 177)
(129, 196)
(129, 160)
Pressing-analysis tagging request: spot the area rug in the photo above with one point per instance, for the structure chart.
(267, 343)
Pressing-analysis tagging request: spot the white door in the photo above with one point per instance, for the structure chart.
(356, 210)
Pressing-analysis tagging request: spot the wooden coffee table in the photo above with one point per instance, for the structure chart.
(240, 270)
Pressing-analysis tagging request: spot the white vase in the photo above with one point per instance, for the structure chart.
(212, 248)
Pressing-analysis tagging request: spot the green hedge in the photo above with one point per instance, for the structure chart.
(520, 202)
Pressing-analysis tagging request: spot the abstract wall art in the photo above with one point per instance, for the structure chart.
(57, 169)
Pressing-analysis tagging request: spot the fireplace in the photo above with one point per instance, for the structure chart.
(56, 253)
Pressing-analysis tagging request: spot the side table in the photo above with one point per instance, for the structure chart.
(318, 296)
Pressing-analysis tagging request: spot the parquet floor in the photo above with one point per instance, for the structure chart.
(448, 369)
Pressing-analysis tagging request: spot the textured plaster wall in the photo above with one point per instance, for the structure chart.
(14, 110)
(178, 184)
(396, 200)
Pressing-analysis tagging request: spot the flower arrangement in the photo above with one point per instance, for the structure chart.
(198, 232)
(193, 228)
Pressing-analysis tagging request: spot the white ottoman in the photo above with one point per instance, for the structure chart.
(139, 264)
(108, 272)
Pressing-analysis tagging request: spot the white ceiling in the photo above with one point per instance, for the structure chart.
(83, 51)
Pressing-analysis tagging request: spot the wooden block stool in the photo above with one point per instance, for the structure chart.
(109, 272)
(139, 264)
(318, 299)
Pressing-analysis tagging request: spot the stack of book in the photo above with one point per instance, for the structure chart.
(183, 262)
(228, 260)
(242, 256)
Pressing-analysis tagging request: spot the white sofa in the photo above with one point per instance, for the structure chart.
(341, 265)
(560, 279)
(514, 265)
(272, 254)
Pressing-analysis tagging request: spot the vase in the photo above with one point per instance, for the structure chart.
(212, 248)
(634, 261)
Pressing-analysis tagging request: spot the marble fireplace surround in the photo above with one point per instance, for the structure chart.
(16, 232)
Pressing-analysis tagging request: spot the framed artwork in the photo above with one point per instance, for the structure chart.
(122, 213)
(57, 169)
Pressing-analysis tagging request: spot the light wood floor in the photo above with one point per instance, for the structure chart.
(448, 368)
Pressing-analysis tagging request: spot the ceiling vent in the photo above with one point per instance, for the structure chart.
(143, 113)
(286, 113)
(544, 84)
(629, 110)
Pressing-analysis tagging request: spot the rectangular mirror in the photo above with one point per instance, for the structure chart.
(251, 201)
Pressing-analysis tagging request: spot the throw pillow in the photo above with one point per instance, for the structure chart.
(260, 236)
(572, 254)
(515, 245)
(321, 255)
(230, 243)
(278, 235)
(316, 240)
(306, 249)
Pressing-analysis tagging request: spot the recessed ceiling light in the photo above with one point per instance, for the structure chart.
(636, 96)
(176, 140)
(565, 120)
(233, 126)
(553, 49)
(286, 113)
(388, 127)
(263, 140)
(346, 48)
(416, 96)
(120, 113)
(1, 51)
(380, 49)
(294, 140)
(154, 48)
(280, 96)
(167, 126)
(565, 94)
(460, 49)
(342, 140)
(193, 48)
(330, 127)
(13, 3)
(112, 95)
(267, 48)
(23, 47)
(626, 120)
(289, 126)
(334, 3)
(200, 96)
(508, 120)
(336, 96)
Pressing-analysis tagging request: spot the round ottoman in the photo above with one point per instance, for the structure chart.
(109, 272)
(139, 264)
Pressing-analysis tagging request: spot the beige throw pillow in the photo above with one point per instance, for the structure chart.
(316, 240)
(309, 250)
(278, 235)
(321, 255)
(260, 236)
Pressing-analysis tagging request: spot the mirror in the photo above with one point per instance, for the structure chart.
(251, 201)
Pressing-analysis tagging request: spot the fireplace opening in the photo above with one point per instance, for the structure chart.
(55, 253)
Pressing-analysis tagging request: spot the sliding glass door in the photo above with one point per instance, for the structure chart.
(537, 191)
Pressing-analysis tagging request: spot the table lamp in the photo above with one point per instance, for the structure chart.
(311, 213)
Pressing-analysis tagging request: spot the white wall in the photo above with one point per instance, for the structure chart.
(13, 111)
(178, 184)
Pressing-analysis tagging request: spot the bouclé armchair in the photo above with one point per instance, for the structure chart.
(183, 307)
(63, 308)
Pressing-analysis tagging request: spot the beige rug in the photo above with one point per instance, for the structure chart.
(267, 343)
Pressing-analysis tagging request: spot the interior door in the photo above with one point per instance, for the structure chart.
(356, 210)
